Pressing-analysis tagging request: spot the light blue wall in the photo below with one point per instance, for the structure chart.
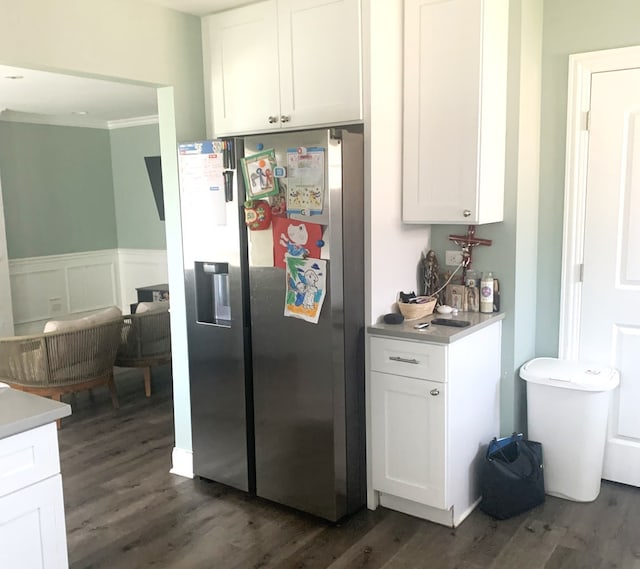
(570, 26)
(137, 220)
(57, 189)
(71, 189)
(532, 229)
(136, 42)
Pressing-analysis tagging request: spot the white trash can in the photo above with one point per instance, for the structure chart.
(568, 408)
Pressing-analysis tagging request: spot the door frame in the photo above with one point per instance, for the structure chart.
(581, 67)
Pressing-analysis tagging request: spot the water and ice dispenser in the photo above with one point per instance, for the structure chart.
(213, 301)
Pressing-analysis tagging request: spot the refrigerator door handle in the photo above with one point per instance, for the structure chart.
(228, 185)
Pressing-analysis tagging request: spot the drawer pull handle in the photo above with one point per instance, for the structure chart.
(435, 392)
(404, 360)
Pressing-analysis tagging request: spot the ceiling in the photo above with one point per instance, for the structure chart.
(51, 98)
(198, 7)
(39, 96)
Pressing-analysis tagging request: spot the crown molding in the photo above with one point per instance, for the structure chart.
(81, 121)
(137, 121)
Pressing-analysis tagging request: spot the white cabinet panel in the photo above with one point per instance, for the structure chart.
(455, 78)
(409, 438)
(28, 457)
(411, 359)
(241, 67)
(320, 61)
(283, 64)
(32, 527)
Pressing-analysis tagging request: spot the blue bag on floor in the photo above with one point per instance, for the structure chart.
(512, 477)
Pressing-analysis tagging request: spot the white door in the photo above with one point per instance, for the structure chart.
(610, 312)
(241, 68)
(6, 311)
(320, 61)
(408, 438)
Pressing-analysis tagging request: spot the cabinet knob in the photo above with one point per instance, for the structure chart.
(466, 212)
(285, 118)
(273, 119)
(435, 392)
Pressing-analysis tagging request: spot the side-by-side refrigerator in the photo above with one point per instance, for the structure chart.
(277, 402)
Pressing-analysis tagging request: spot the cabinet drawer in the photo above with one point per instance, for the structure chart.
(410, 359)
(28, 457)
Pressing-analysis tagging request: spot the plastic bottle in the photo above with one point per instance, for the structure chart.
(486, 292)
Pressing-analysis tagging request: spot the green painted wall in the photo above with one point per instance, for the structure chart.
(136, 42)
(527, 246)
(570, 26)
(57, 189)
(137, 220)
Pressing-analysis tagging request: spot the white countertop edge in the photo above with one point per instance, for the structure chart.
(21, 411)
(436, 334)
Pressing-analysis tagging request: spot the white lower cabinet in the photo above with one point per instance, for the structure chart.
(410, 419)
(32, 524)
(432, 411)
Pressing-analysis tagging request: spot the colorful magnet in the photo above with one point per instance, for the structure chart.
(257, 215)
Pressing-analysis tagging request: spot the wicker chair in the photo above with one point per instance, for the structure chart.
(54, 363)
(145, 342)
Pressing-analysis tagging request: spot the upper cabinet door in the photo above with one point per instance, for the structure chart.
(455, 78)
(320, 62)
(240, 49)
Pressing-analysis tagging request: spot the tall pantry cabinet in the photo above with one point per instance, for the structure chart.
(455, 88)
(283, 64)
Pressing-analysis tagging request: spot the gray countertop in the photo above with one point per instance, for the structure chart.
(20, 411)
(436, 334)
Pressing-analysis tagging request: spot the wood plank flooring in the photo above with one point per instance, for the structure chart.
(125, 511)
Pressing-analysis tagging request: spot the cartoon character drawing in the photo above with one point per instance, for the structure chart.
(300, 293)
(295, 240)
(311, 289)
(305, 295)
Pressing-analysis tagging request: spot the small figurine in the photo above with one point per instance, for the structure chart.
(431, 275)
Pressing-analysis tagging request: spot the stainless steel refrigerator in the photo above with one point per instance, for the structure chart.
(277, 403)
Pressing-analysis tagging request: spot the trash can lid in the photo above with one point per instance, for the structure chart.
(570, 374)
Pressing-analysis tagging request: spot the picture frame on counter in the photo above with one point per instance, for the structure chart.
(456, 296)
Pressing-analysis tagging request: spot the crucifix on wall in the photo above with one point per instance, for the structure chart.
(467, 243)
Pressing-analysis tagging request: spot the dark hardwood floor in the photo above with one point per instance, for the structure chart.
(124, 510)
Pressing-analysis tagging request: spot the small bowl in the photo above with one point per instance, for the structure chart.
(413, 310)
(444, 309)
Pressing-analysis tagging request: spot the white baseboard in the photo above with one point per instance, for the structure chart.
(182, 462)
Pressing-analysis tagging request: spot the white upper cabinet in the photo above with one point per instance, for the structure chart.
(283, 64)
(240, 52)
(455, 89)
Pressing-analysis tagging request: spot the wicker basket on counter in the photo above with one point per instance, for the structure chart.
(415, 310)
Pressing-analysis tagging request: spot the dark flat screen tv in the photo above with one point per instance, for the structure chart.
(154, 169)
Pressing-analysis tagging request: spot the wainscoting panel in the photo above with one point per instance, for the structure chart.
(68, 286)
(37, 294)
(91, 286)
(140, 267)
